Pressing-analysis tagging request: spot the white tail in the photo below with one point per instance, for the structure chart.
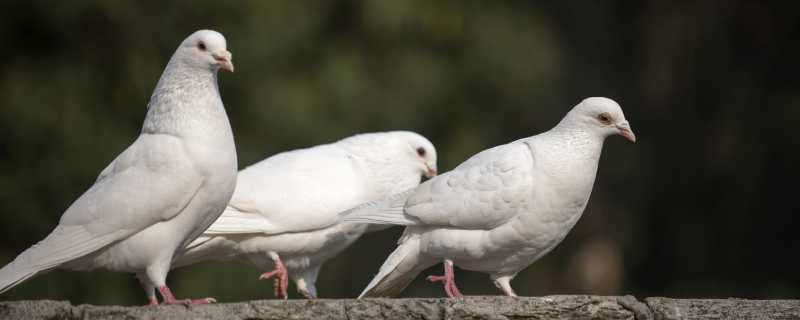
(64, 244)
(195, 252)
(385, 211)
(402, 266)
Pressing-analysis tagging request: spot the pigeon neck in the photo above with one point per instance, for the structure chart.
(576, 146)
(186, 103)
(566, 161)
(570, 156)
(577, 133)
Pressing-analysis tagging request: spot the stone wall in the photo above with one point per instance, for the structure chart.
(473, 307)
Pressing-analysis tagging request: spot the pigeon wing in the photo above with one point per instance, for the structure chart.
(483, 192)
(294, 191)
(151, 181)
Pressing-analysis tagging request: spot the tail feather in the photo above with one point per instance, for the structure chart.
(64, 244)
(197, 251)
(402, 266)
(385, 211)
(199, 241)
(19, 279)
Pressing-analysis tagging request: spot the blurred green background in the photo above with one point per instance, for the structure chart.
(704, 205)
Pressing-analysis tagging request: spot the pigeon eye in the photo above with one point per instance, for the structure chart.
(604, 118)
(421, 152)
(201, 46)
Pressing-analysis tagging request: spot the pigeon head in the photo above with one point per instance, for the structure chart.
(206, 49)
(421, 152)
(401, 152)
(602, 116)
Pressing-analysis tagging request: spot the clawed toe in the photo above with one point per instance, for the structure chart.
(435, 278)
(448, 279)
(188, 302)
(281, 280)
(169, 299)
(204, 301)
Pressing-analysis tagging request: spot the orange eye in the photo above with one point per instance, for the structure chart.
(421, 152)
(201, 46)
(604, 118)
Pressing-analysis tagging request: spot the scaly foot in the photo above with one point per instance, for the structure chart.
(281, 280)
(448, 279)
(169, 299)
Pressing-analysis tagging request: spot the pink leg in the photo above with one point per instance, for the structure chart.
(169, 299)
(152, 297)
(281, 277)
(448, 279)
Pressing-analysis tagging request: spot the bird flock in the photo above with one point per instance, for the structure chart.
(175, 198)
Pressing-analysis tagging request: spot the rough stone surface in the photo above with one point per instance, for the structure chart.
(473, 307)
(665, 308)
(550, 307)
(639, 309)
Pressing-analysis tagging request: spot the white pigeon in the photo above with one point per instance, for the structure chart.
(284, 214)
(158, 195)
(499, 211)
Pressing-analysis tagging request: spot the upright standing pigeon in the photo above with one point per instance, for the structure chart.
(284, 214)
(158, 195)
(499, 211)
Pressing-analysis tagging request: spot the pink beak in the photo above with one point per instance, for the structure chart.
(625, 130)
(224, 59)
(431, 172)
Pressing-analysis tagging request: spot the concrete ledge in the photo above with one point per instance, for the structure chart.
(473, 307)
(665, 308)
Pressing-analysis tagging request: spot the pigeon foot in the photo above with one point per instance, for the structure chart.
(448, 279)
(281, 280)
(169, 299)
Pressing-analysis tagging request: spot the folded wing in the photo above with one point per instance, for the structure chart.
(294, 191)
(151, 181)
(481, 193)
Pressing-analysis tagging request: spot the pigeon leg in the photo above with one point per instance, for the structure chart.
(150, 291)
(155, 276)
(169, 299)
(448, 279)
(281, 276)
(503, 284)
(148, 286)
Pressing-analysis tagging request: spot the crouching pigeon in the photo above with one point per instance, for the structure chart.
(499, 211)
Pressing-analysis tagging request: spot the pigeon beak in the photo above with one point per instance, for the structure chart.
(431, 172)
(224, 59)
(625, 130)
